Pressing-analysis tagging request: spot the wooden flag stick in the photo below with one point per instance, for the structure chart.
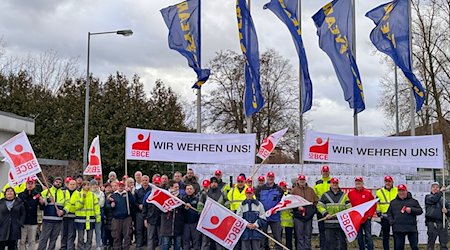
(268, 236)
(256, 170)
(324, 218)
(48, 189)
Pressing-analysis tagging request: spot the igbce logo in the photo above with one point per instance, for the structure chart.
(141, 148)
(22, 161)
(320, 150)
(228, 230)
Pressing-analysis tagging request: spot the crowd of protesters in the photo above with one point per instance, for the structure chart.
(117, 214)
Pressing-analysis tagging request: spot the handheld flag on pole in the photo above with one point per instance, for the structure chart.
(270, 143)
(220, 224)
(352, 218)
(288, 202)
(334, 28)
(391, 37)
(95, 163)
(20, 156)
(253, 98)
(182, 21)
(287, 12)
(163, 199)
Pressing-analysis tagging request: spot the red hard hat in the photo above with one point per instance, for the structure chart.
(249, 190)
(334, 180)
(261, 178)
(325, 168)
(240, 178)
(282, 184)
(218, 172)
(301, 177)
(402, 187)
(249, 179)
(157, 180)
(271, 174)
(206, 183)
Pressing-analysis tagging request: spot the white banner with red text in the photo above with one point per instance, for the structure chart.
(412, 151)
(155, 145)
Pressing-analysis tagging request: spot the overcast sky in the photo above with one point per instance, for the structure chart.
(33, 26)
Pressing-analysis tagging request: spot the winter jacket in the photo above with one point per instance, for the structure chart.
(192, 181)
(253, 212)
(191, 216)
(223, 186)
(152, 213)
(172, 222)
(107, 212)
(62, 201)
(433, 207)
(139, 196)
(322, 186)
(269, 197)
(11, 221)
(215, 194)
(310, 210)
(385, 196)
(357, 197)
(30, 201)
(236, 196)
(404, 222)
(87, 209)
(333, 203)
(120, 211)
(287, 216)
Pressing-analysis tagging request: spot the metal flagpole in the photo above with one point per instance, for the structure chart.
(355, 115)
(411, 98)
(300, 90)
(397, 128)
(249, 118)
(199, 90)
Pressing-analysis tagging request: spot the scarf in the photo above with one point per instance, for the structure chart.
(10, 204)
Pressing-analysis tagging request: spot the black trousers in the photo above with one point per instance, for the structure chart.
(386, 230)
(399, 240)
(11, 244)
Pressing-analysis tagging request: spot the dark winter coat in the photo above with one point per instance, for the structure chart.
(172, 222)
(30, 201)
(120, 211)
(433, 207)
(404, 222)
(12, 221)
(191, 216)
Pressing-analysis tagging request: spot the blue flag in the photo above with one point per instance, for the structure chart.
(253, 99)
(334, 28)
(391, 36)
(287, 11)
(182, 21)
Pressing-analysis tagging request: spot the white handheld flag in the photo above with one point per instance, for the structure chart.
(20, 156)
(94, 166)
(288, 202)
(351, 219)
(163, 199)
(220, 224)
(269, 144)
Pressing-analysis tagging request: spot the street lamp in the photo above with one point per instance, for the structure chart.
(88, 81)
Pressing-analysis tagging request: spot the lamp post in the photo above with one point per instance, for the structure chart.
(88, 81)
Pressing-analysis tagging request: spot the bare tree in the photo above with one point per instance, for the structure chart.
(225, 106)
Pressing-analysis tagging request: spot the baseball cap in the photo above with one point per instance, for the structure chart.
(58, 179)
(98, 177)
(359, 178)
(67, 179)
(301, 177)
(435, 183)
(206, 183)
(388, 178)
(270, 174)
(213, 179)
(261, 178)
(325, 168)
(282, 184)
(402, 187)
(157, 180)
(241, 178)
(29, 179)
(334, 180)
(249, 179)
(218, 172)
(249, 190)
(121, 183)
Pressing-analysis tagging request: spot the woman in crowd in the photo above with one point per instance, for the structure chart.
(12, 218)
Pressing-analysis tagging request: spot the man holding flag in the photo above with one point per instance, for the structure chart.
(172, 222)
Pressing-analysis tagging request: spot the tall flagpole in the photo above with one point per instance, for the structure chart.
(249, 118)
(300, 90)
(199, 90)
(355, 115)
(397, 127)
(411, 98)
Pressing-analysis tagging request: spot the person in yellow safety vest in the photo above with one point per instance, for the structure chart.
(322, 186)
(55, 207)
(237, 194)
(331, 203)
(386, 194)
(225, 187)
(287, 218)
(87, 213)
